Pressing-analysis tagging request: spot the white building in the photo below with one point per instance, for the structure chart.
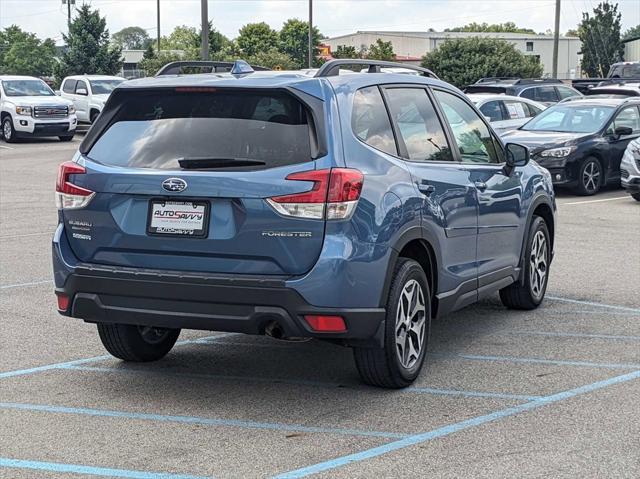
(413, 45)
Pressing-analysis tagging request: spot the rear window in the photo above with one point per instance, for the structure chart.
(156, 129)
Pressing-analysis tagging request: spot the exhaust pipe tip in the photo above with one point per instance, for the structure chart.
(275, 331)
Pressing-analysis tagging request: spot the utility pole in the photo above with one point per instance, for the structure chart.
(310, 33)
(204, 46)
(556, 39)
(158, 25)
(69, 3)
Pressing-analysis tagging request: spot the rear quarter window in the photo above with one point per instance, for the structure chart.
(156, 129)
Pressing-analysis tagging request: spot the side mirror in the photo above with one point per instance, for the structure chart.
(82, 91)
(622, 131)
(516, 155)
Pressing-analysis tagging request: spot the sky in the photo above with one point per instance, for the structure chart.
(47, 18)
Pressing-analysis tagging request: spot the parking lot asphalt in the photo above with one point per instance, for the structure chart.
(553, 392)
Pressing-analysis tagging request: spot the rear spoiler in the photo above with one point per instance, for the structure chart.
(480, 88)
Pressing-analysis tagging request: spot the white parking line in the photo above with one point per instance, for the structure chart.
(7, 147)
(595, 201)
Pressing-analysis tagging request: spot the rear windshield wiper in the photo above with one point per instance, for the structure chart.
(204, 162)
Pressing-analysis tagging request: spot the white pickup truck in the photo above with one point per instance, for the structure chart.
(88, 93)
(28, 107)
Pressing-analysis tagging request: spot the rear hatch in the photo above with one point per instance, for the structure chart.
(181, 177)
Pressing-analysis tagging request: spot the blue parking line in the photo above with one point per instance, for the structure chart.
(48, 367)
(301, 382)
(576, 335)
(90, 470)
(456, 427)
(591, 303)
(555, 362)
(22, 285)
(198, 420)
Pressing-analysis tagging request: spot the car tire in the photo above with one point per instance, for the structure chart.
(590, 177)
(530, 293)
(66, 138)
(137, 343)
(8, 131)
(636, 196)
(395, 366)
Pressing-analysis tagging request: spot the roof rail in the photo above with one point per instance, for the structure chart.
(496, 79)
(175, 68)
(332, 67)
(533, 81)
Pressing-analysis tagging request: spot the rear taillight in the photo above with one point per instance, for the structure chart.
(68, 195)
(333, 196)
(326, 324)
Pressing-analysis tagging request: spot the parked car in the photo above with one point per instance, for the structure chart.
(506, 112)
(349, 208)
(617, 71)
(630, 169)
(543, 90)
(29, 108)
(622, 88)
(89, 93)
(581, 142)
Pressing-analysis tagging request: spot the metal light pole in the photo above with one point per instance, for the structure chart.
(158, 25)
(69, 3)
(556, 39)
(204, 45)
(310, 33)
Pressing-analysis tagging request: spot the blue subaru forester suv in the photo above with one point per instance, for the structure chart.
(353, 208)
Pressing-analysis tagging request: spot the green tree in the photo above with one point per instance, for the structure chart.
(462, 61)
(151, 64)
(217, 41)
(256, 37)
(184, 39)
(571, 33)
(131, 38)
(294, 41)
(149, 52)
(631, 33)
(507, 27)
(22, 53)
(381, 50)
(345, 52)
(600, 36)
(88, 49)
(273, 59)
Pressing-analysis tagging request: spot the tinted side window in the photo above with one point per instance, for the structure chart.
(370, 121)
(628, 117)
(474, 139)
(565, 92)
(418, 124)
(543, 93)
(81, 84)
(531, 110)
(492, 110)
(69, 86)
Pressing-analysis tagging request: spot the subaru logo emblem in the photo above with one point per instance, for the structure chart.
(175, 185)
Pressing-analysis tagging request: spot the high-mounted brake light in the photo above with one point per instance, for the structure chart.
(333, 196)
(68, 195)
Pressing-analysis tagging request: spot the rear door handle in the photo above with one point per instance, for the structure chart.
(480, 185)
(425, 188)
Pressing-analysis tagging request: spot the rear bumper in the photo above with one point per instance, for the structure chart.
(234, 303)
(215, 303)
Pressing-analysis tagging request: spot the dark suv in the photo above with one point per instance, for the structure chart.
(544, 90)
(351, 208)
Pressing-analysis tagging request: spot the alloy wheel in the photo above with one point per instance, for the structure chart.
(538, 264)
(591, 176)
(411, 320)
(6, 130)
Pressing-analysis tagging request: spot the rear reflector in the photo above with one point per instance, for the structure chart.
(326, 324)
(63, 302)
(333, 196)
(68, 195)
